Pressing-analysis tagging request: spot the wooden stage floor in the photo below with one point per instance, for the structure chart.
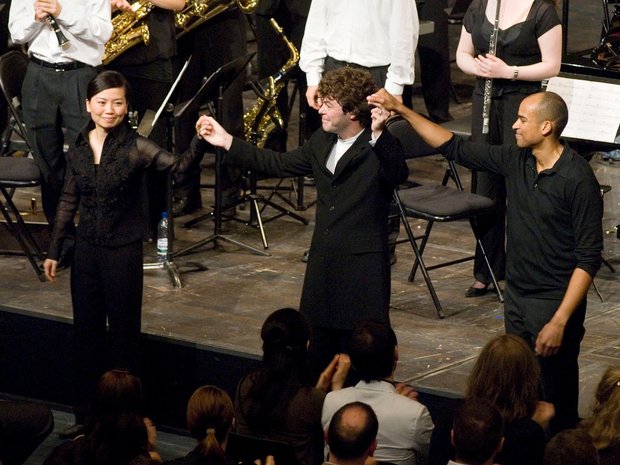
(224, 306)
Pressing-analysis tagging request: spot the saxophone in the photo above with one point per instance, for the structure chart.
(197, 12)
(264, 117)
(128, 30)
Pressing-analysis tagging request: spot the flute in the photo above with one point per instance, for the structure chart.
(62, 40)
(488, 83)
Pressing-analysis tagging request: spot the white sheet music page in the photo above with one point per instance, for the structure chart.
(593, 110)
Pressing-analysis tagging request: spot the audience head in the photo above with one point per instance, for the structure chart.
(286, 336)
(115, 432)
(349, 87)
(571, 447)
(604, 423)
(477, 432)
(352, 433)
(507, 374)
(209, 420)
(117, 390)
(372, 350)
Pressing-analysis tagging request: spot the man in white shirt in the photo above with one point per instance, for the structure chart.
(405, 425)
(379, 36)
(54, 89)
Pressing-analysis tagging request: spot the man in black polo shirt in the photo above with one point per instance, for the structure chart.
(554, 234)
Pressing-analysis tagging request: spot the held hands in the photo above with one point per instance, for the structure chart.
(378, 116)
(43, 8)
(209, 129)
(334, 376)
(151, 433)
(549, 339)
(490, 66)
(49, 266)
(383, 99)
(406, 390)
(269, 460)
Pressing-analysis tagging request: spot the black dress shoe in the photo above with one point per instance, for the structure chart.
(477, 291)
(72, 432)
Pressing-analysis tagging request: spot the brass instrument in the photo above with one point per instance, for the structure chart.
(264, 117)
(197, 12)
(129, 29)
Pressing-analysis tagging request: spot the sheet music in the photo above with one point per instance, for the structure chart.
(592, 108)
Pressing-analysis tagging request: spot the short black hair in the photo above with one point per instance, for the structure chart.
(107, 80)
(371, 349)
(571, 447)
(347, 441)
(478, 428)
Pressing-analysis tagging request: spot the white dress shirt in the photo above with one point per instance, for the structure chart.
(338, 150)
(86, 23)
(366, 32)
(405, 426)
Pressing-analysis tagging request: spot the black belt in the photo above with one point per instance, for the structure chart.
(340, 64)
(67, 66)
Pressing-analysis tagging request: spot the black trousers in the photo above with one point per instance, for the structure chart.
(525, 317)
(492, 227)
(106, 284)
(52, 100)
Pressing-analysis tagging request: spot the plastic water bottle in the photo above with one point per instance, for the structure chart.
(162, 237)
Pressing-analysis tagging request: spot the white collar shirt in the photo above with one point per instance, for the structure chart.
(86, 23)
(366, 32)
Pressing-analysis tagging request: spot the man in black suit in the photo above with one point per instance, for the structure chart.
(356, 165)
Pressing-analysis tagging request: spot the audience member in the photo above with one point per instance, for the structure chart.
(54, 88)
(529, 49)
(405, 426)
(477, 433)
(116, 432)
(351, 434)
(104, 181)
(603, 425)
(278, 401)
(23, 426)
(506, 374)
(356, 165)
(209, 420)
(571, 447)
(555, 235)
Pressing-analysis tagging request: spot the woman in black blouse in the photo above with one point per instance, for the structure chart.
(105, 167)
(529, 50)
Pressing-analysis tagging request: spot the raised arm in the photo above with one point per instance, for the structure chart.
(433, 134)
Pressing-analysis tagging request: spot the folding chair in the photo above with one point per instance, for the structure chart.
(17, 172)
(13, 65)
(436, 203)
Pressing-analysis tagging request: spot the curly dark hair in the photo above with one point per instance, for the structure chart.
(349, 87)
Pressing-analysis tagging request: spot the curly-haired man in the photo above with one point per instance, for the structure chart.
(356, 165)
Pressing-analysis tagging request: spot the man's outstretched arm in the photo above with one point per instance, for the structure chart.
(433, 134)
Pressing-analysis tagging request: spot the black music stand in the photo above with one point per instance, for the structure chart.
(146, 126)
(211, 93)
